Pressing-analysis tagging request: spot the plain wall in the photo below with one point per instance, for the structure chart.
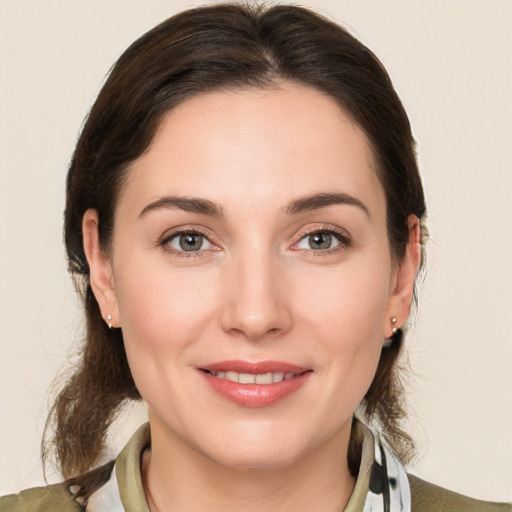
(451, 64)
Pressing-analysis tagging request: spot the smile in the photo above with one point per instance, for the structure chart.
(255, 384)
(248, 378)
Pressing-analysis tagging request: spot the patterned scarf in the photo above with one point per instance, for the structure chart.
(389, 485)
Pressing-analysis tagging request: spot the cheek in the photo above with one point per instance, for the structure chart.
(346, 312)
(162, 314)
(346, 300)
(162, 311)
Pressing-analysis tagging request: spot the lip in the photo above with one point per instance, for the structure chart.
(255, 395)
(254, 368)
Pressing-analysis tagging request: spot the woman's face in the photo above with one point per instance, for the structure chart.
(250, 245)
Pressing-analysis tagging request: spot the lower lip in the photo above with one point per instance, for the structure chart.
(256, 395)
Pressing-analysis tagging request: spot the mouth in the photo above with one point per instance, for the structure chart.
(255, 384)
(249, 378)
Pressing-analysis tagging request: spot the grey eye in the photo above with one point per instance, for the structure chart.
(320, 241)
(189, 242)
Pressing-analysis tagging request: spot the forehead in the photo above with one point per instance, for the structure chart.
(254, 147)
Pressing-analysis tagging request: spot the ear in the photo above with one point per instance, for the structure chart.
(100, 269)
(399, 304)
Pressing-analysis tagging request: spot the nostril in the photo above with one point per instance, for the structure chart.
(255, 315)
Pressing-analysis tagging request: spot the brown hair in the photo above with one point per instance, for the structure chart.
(199, 50)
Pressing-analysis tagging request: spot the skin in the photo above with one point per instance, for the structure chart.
(257, 290)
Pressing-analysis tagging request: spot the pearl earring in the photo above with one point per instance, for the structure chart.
(393, 325)
(389, 341)
(109, 321)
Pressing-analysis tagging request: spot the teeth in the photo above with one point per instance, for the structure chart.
(264, 378)
(278, 377)
(232, 376)
(248, 378)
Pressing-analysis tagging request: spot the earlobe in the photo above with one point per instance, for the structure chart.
(100, 269)
(401, 296)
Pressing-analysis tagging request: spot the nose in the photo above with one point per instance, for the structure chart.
(256, 304)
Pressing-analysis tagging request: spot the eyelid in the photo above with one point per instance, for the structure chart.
(164, 240)
(171, 242)
(340, 234)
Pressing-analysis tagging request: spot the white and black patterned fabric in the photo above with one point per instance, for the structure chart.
(389, 489)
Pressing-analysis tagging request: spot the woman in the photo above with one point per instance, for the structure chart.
(244, 213)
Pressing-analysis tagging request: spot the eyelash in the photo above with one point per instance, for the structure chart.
(167, 238)
(340, 235)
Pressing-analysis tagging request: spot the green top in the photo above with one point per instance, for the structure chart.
(103, 489)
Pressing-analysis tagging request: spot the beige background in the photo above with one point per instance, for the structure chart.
(451, 63)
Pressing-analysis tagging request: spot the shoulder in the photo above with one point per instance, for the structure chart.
(55, 498)
(69, 496)
(426, 497)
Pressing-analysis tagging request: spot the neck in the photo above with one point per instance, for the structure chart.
(178, 478)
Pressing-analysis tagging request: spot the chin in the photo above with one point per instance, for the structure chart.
(261, 458)
(259, 449)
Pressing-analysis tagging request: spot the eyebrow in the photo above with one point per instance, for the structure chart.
(321, 200)
(206, 207)
(188, 204)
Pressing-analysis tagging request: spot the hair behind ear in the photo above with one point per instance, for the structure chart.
(385, 401)
(89, 402)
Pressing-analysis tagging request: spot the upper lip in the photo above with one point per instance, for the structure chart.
(254, 368)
